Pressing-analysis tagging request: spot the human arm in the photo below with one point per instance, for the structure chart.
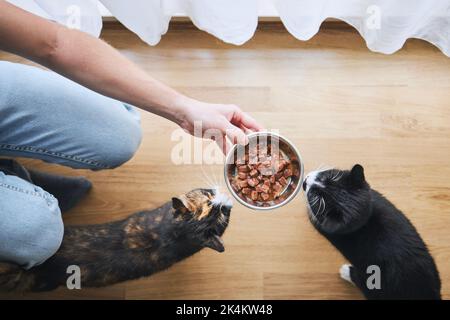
(96, 65)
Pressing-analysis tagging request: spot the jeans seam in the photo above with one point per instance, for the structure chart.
(46, 197)
(54, 154)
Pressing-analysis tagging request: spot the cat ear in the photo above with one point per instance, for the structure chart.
(178, 205)
(215, 242)
(357, 174)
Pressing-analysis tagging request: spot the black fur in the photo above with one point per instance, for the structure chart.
(369, 230)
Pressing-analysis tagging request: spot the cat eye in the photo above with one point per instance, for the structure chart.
(209, 194)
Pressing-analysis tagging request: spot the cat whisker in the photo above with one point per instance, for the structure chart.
(216, 180)
(209, 182)
(205, 181)
(339, 175)
(333, 176)
(318, 210)
(324, 206)
(336, 176)
(218, 184)
(314, 202)
(323, 167)
(311, 205)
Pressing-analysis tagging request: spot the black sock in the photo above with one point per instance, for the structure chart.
(68, 190)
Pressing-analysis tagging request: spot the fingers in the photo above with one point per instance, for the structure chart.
(224, 145)
(242, 119)
(235, 134)
(250, 123)
(239, 125)
(246, 130)
(231, 135)
(234, 125)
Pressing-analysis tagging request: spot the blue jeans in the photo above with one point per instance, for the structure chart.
(46, 116)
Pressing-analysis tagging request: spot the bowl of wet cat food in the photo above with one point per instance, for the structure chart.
(265, 174)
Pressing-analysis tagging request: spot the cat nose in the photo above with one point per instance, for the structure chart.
(226, 209)
(304, 184)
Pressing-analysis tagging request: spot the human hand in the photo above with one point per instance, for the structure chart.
(228, 119)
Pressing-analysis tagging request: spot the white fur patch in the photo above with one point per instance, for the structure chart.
(222, 199)
(344, 271)
(311, 180)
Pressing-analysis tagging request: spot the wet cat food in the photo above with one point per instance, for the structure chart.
(262, 174)
(266, 173)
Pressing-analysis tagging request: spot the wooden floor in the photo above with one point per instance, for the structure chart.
(338, 102)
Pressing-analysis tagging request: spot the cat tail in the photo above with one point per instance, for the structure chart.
(15, 279)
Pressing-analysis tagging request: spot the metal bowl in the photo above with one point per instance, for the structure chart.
(286, 149)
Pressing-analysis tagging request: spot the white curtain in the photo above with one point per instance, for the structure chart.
(384, 24)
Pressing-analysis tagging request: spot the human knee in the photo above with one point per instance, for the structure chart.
(121, 145)
(42, 238)
(72, 125)
(32, 228)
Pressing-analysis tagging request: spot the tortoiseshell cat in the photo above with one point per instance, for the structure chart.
(138, 246)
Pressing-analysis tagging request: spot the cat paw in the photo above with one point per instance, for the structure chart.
(344, 271)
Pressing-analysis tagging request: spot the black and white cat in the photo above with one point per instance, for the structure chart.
(373, 235)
